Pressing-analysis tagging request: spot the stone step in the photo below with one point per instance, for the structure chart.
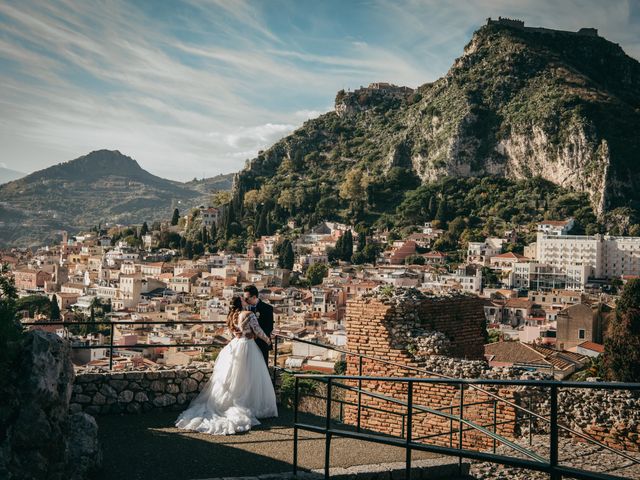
(429, 469)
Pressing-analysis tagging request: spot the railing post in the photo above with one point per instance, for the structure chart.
(408, 431)
(460, 426)
(451, 427)
(530, 420)
(111, 346)
(327, 445)
(275, 357)
(295, 428)
(495, 422)
(359, 391)
(553, 440)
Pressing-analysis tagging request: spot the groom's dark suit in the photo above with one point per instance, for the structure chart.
(265, 319)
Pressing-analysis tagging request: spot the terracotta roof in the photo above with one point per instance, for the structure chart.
(518, 303)
(512, 352)
(555, 223)
(596, 347)
(435, 254)
(511, 255)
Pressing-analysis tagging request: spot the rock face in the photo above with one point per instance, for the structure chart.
(516, 104)
(41, 439)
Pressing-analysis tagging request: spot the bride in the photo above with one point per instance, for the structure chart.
(239, 390)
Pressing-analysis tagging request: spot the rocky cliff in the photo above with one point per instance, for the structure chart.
(38, 437)
(518, 103)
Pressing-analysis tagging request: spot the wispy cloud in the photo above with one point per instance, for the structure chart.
(195, 87)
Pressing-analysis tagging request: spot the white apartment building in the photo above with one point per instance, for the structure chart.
(544, 277)
(605, 256)
(556, 227)
(481, 253)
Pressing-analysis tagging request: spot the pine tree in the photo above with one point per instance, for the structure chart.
(54, 309)
(176, 217)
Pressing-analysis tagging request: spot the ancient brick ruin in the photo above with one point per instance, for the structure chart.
(387, 325)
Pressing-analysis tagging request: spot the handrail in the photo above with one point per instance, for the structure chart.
(111, 346)
(474, 384)
(551, 466)
(438, 413)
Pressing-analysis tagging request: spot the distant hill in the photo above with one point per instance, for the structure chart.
(212, 184)
(7, 175)
(519, 103)
(103, 186)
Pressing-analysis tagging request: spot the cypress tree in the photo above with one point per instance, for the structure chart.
(261, 228)
(347, 246)
(54, 309)
(433, 207)
(213, 233)
(176, 217)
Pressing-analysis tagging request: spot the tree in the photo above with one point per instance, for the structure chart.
(54, 309)
(10, 340)
(144, 229)
(220, 198)
(354, 189)
(622, 344)
(362, 240)
(251, 199)
(176, 217)
(442, 213)
(316, 272)
(34, 304)
(261, 228)
(414, 260)
(433, 207)
(347, 246)
(285, 255)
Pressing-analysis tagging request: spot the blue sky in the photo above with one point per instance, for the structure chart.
(194, 88)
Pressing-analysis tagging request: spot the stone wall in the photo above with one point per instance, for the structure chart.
(137, 391)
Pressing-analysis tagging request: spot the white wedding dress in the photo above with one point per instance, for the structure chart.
(239, 390)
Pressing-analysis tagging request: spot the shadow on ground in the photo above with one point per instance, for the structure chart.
(148, 446)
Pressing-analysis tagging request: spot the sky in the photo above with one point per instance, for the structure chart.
(194, 88)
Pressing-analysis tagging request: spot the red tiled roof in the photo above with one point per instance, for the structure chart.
(596, 347)
(513, 255)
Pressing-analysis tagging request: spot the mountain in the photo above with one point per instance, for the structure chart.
(7, 175)
(519, 103)
(103, 186)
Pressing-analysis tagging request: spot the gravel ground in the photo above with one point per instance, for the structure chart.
(148, 446)
(572, 454)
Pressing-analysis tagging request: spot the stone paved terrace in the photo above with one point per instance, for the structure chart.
(148, 446)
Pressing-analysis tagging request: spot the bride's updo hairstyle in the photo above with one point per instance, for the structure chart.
(235, 307)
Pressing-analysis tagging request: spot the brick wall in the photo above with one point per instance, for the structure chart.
(379, 327)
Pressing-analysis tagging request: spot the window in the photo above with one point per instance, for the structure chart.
(581, 334)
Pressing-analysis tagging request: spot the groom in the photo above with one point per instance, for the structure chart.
(264, 312)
